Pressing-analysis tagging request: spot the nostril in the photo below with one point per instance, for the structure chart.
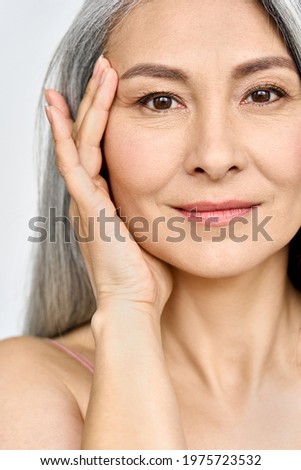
(199, 170)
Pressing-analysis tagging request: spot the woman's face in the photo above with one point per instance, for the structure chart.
(226, 126)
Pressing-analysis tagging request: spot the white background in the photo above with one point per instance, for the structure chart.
(29, 33)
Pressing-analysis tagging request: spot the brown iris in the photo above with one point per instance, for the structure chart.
(261, 96)
(162, 102)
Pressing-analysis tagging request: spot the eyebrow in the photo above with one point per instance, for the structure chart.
(157, 71)
(264, 63)
(175, 74)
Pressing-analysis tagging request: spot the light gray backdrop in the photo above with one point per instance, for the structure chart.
(29, 33)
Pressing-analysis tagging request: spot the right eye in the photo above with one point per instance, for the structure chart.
(161, 101)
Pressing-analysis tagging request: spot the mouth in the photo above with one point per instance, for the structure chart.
(216, 214)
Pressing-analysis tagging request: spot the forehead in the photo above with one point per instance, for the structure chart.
(195, 30)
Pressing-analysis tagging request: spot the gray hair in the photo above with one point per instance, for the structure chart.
(61, 296)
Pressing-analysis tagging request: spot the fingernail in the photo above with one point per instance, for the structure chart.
(97, 64)
(49, 114)
(103, 75)
(46, 95)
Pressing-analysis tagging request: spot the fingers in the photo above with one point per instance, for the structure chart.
(79, 184)
(91, 89)
(55, 98)
(79, 160)
(92, 116)
(94, 123)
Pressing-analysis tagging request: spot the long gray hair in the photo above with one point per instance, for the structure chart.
(61, 296)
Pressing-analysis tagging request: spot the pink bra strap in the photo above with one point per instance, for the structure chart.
(78, 357)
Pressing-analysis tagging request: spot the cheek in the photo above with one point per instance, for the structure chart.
(292, 167)
(282, 168)
(140, 160)
(277, 156)
(287, 161)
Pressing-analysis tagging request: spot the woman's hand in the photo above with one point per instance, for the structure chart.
(121, 272)
(143, 412)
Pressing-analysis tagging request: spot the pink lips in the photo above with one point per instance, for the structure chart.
(216, 213)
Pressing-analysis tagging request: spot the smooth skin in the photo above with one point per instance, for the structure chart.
(196, 345)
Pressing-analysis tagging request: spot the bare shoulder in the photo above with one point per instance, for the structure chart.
(38, 407)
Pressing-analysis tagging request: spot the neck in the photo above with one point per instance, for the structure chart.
(229, 333)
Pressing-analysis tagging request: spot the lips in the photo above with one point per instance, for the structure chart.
(207, 206)
(216, 213)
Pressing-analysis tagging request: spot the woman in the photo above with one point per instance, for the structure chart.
(185, 304)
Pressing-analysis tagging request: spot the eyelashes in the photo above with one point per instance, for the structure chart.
(261, 92)
(266, 91)
(155, 95)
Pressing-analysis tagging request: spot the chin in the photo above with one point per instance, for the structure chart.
(216, 261)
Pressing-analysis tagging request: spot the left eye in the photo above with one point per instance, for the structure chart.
(264, 96)
(159, 102)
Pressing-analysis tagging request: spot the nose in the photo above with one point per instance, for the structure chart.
(215, 148)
